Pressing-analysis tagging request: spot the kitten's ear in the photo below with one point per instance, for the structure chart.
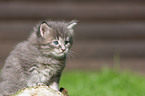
(44, 29)
(72, 24)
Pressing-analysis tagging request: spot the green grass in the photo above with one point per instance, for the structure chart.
(104, 83)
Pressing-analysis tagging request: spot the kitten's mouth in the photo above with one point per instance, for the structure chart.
(59, 54)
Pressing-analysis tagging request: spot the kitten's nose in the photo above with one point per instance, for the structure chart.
(63, 49)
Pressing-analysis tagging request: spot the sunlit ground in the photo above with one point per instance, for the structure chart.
(107, 82)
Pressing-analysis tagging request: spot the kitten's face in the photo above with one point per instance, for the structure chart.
(61, 46)
(56, 38)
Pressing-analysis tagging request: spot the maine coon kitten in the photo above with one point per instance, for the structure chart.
(40, 59)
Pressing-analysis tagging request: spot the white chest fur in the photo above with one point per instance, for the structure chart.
(42, 73)
(38, 76)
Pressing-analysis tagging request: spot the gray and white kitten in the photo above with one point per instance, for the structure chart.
(40, 59)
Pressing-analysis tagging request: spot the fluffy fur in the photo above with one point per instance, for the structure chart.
(39, 59)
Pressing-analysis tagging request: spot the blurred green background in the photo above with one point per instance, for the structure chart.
(110, 33)
(106, 82)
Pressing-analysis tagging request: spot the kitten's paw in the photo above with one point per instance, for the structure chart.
(39, 84)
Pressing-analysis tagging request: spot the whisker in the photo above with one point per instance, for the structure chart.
(70, 54)
(69, 58)
(73, 52)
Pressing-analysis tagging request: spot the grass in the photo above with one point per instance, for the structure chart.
(104, 83)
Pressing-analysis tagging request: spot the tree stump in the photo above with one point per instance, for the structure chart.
(40, 90)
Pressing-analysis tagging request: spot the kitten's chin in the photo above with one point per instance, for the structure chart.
(58, 55)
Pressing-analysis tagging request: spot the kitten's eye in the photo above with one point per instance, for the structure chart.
(55, 42)
(66, 42)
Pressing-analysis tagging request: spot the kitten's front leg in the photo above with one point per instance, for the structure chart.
(54, 86)
(54, 82)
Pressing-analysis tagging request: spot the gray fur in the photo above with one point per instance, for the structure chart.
(39, 59)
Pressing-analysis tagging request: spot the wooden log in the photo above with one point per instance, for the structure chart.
(111, 31)
(81, 11)
(95, 49)
(19, 30)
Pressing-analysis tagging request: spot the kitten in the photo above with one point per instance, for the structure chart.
(40, 59)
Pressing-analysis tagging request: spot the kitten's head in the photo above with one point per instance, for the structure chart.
(55, 38)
